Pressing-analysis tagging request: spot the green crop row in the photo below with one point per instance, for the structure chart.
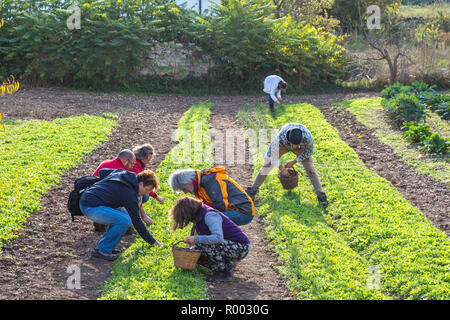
(369, 243)
(408, 106)
(422, 94)
(33, 156)
(147, 272)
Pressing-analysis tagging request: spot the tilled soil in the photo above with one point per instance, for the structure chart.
(34, 265)
(254, 277)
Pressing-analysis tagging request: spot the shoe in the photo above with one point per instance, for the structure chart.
(272, 109)
(220, 276)
(103, 255)
(322, 198)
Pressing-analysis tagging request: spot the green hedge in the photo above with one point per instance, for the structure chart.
(408, 106)
(105, 51)
(115, 36)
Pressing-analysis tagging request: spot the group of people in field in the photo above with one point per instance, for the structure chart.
(216, 206)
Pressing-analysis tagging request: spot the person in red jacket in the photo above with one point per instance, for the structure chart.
(125, 160)
(144, 155)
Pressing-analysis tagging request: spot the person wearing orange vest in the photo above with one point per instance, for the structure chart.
(216, 189)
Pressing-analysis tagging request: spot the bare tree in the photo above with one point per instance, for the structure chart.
(389, 40)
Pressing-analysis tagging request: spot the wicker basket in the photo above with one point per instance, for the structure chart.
(185, 258)
(291, 181)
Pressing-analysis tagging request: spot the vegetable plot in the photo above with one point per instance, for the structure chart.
(34, 154)
(369, 243)
(369, 112)
(147, 272)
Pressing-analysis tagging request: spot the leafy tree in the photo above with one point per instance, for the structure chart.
(238, 35)
(306, 53)
(389, 42)
(247, 42)
(314, 12)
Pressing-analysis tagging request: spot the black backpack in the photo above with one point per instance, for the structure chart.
(80, 184)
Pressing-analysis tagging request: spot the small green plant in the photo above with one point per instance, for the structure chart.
(414, 132)
(426, 95)
(409, 104)
(391, 91)
(421, 134)
(420, 87)
(440, 104)
(435, 143)
(405, 107)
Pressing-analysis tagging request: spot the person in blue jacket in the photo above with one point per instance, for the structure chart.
(115, 201)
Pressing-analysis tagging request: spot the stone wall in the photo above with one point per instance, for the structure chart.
(175, 61)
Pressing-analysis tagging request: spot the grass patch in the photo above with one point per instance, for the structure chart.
(369, 112)
(34, 155)
(146, 272)
(427, 12)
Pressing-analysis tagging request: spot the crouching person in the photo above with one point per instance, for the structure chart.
(114, 201)
(216, 189)
(223, 243)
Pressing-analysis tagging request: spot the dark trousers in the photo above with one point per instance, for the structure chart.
(271, 102)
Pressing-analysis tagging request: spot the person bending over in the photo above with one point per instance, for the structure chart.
(295, 138)
(222, 242)
(114, 201)
(218, 190)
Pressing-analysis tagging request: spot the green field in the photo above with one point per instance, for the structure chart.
(369, 243)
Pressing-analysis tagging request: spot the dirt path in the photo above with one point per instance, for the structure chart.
(254, 277)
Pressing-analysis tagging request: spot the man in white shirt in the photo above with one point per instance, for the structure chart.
(273, 85)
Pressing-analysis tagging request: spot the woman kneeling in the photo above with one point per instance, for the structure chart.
(223, 243)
